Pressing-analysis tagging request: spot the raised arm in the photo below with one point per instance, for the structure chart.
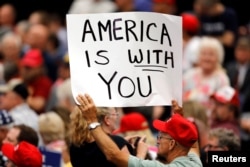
(105, 143)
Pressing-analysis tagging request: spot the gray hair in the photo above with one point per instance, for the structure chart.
(215, 44)
(226, 138)
(16, 39)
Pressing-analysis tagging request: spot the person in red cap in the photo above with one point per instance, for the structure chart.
(226, 109)
(135, 123)
(34, 76)
(22, 155)
(191, 40)
(176, 137)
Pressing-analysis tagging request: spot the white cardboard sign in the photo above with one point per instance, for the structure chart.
(126, 59)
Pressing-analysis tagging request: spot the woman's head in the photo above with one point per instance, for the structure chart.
(51, 127)
(211, 54)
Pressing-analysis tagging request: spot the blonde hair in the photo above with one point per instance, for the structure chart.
(51, 127)
(79, 132)
(196, 110)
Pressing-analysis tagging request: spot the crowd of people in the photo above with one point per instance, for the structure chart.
(38, 111)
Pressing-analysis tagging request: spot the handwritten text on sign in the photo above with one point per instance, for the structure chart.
(126, 59)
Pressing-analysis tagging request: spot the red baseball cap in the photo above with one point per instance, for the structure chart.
(132, 122)
(190, 22)
(33, 58)
(23, 155)
(227, 95)
(179, 128)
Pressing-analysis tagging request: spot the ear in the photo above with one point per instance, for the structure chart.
(106, 120)
(172, 144)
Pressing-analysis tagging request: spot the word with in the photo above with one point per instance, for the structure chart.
(156, 55)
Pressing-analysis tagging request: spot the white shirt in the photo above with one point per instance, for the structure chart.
(23, 114)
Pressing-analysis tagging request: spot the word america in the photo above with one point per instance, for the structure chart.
(216, 158)
(116, 28)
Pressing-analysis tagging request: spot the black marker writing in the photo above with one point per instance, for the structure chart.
(127, 93)
(127, 30)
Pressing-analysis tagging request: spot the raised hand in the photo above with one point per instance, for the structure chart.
(176, 109)
(87, 107)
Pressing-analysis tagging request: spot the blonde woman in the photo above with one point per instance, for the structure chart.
(83, 148)
(52, 130)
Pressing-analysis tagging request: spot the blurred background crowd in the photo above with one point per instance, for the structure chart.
(35, 88)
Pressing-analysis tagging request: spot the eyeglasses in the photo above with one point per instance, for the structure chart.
(160, 136)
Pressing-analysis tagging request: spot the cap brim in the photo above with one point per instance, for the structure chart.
(8, 150)
(219, 99)
(159, 125)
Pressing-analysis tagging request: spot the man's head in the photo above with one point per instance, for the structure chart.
(176, 131)
(12, 94)
(32, 59)
(133, 121)
(7, 15)
(109, 118)
(190, 23)
(37, 36)
(20, 133)
(32, 64)
(222, 139)
(227, 103)
(11, 45)
(164, 6)
(205, 6)
(242, 50)
(23, 155)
